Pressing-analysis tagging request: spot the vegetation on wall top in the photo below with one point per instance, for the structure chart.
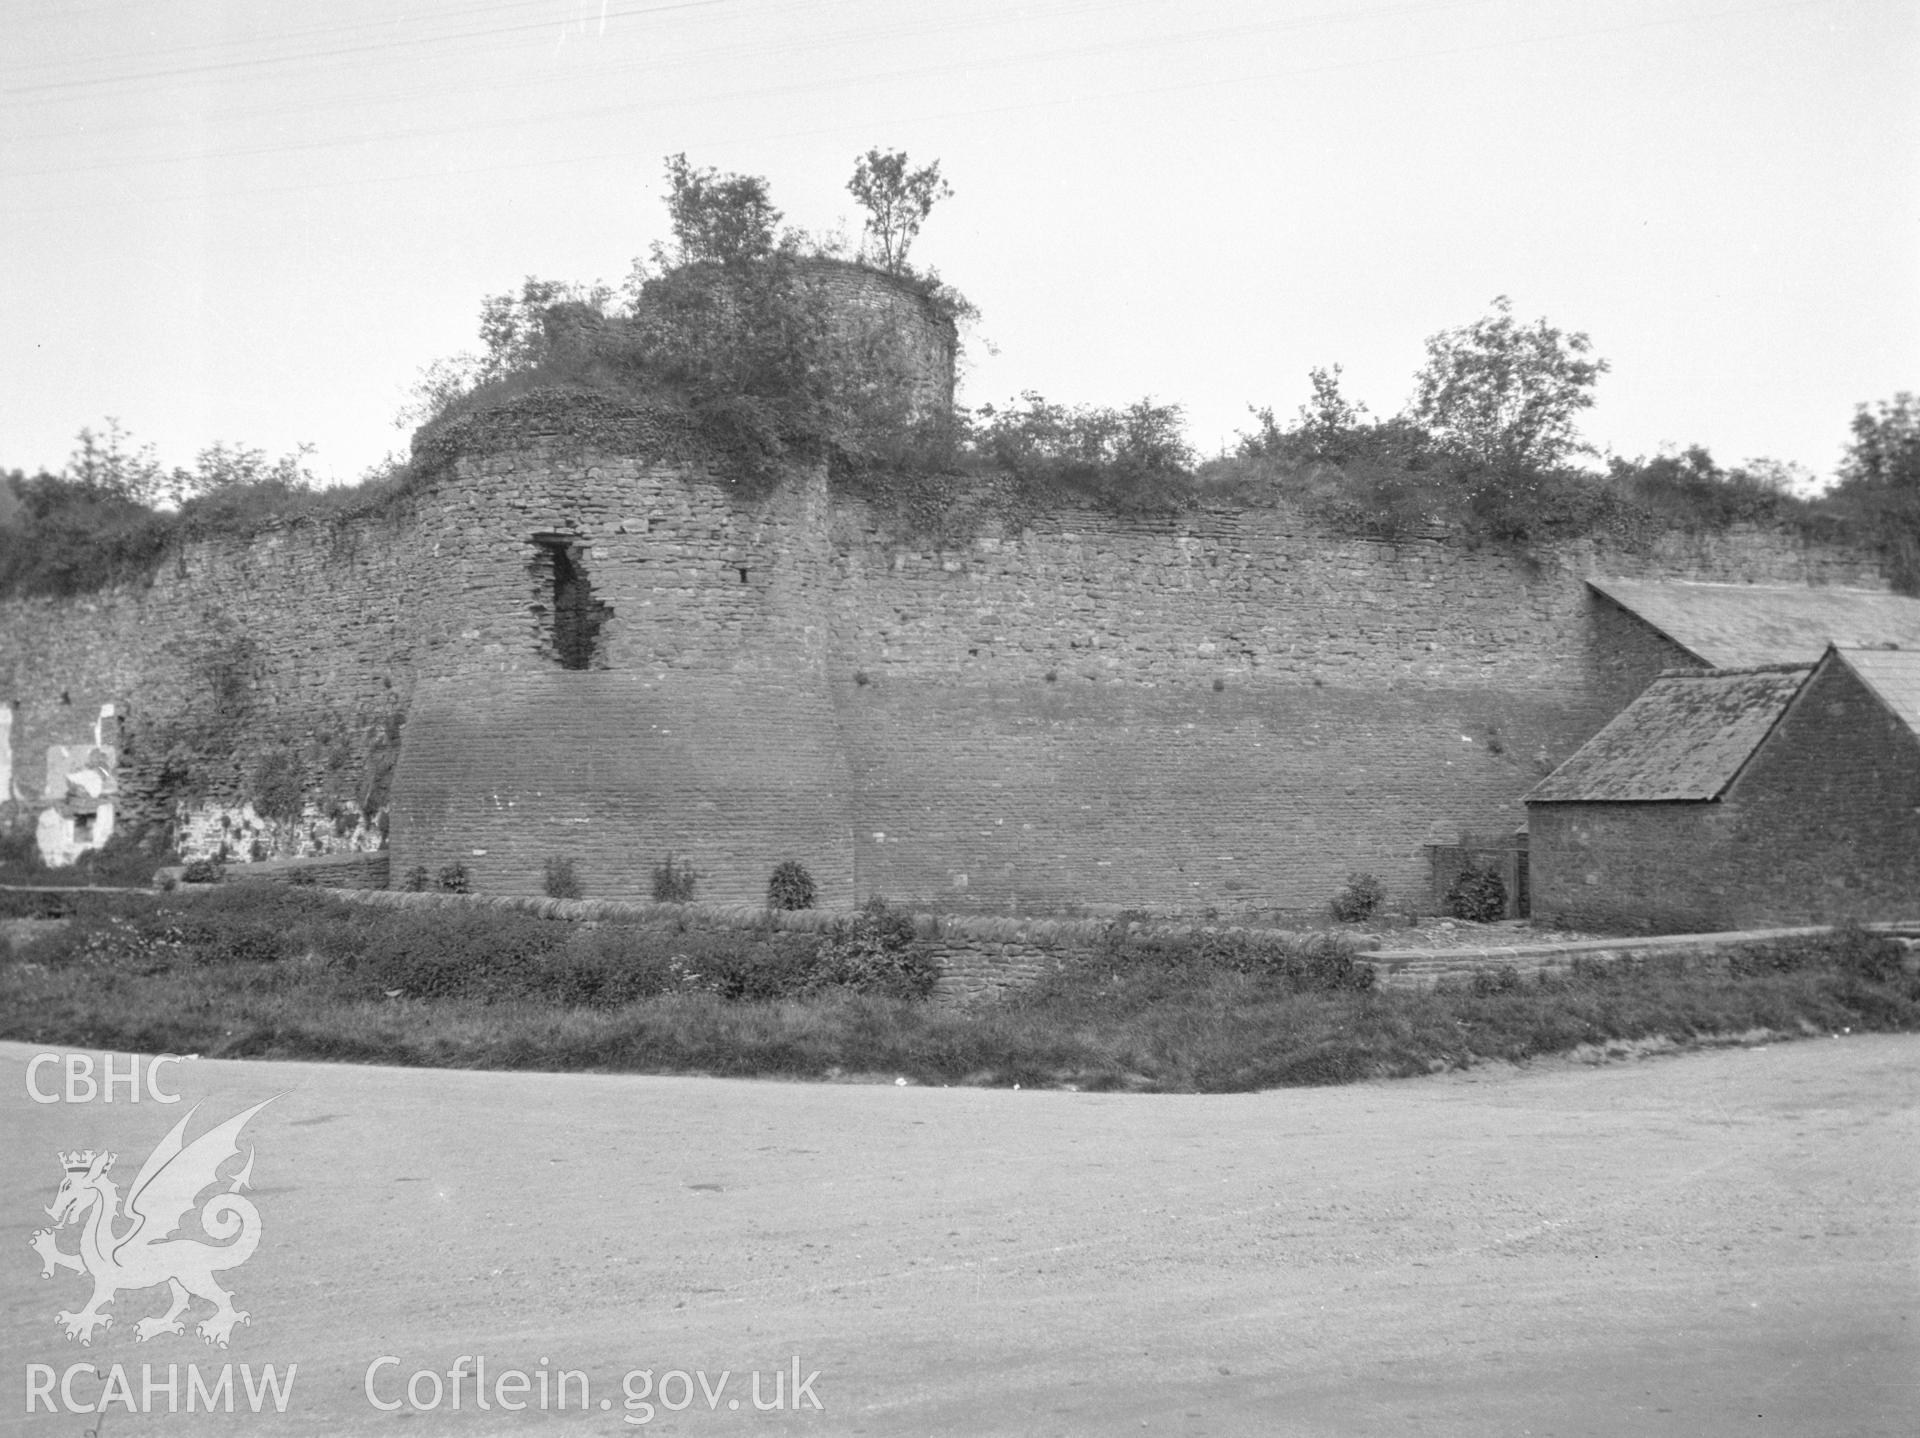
(729, 322)
(726, 331)
(112, 511)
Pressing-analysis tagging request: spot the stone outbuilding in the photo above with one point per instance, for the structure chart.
(1739, 798)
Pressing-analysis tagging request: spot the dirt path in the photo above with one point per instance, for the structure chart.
(1721, 1242)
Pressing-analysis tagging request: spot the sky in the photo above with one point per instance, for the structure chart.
(256, 223)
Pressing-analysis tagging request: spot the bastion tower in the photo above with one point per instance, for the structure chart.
(634, 664)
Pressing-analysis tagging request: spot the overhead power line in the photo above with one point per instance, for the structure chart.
(387, 46)
(602, 112)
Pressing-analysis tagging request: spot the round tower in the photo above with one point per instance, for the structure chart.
(866, 305)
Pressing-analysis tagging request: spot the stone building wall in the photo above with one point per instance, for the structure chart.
(1822, 825)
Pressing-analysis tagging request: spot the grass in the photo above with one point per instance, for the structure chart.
(303, 975)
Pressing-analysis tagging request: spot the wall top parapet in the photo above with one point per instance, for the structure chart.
(576, 418)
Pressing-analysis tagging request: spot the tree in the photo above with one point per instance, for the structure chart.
(107, 464)
(519, 332)
(1884, 457)
(1330, 424)
(897, 201)
(1880, 483)
(723, 219)
(1503, 394)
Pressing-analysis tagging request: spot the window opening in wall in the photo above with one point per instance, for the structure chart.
(576, 615)
(743, 573)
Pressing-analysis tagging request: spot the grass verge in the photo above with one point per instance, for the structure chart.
(303, 975)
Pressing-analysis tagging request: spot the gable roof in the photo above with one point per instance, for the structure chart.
(1894, 677)
(1685, 737)
(1739, 626)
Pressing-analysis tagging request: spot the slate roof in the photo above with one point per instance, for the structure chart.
(1685, 737)
(1893, 675)
(1739, 626)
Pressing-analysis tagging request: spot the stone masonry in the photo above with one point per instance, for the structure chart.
(1224, 709)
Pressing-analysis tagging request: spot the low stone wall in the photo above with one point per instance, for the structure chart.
(983, 958)
(978, 957)
(1423, 968)
(360, 872)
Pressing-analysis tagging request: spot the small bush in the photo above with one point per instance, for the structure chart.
(127, 860)
(28, 904)
(279, 787)
(1309, 963)
(1851, 949)
(202, 871)
(1478, 895)
(778, 966)
(454, 879)
(416, 880)
(791, 887)
(1487, 982)
(674, 881)
(1362, 898)
(877, 952)
(1169, 962)
(462, 952)
(561, 881)
(19, 855)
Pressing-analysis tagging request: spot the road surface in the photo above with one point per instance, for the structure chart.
(1711, 1243)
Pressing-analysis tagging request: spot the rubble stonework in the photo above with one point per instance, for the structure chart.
(868, 306)
(1228, 707)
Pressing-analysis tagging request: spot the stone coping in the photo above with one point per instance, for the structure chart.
(1046, 933)
(1043, 933)
(1667, 943)
(74, 889)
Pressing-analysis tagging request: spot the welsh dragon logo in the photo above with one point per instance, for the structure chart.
(145, 1254)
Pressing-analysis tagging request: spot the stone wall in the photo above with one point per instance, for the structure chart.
(299, 642)
(873, 309)
(602, 651)
(1233, 709)
(618, 773)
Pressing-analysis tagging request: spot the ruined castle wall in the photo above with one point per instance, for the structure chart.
(1233, 709)
(1225, 709)
(690, 573)
(868, 306)
(702, 726)
(231, 649)
(617, 773)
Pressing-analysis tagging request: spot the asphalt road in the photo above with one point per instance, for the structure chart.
(1711, 1243)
